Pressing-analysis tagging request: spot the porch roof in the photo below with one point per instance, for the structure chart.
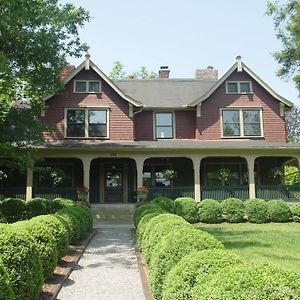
(168, 145)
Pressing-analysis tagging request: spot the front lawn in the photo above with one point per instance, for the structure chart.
(277, 244)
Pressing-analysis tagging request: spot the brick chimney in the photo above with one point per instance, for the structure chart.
(207, 74)
(164, 72)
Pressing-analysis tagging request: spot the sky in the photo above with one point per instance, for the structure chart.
(184, 35)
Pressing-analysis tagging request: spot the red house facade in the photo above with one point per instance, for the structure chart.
(202, 138)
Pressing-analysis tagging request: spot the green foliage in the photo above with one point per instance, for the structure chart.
(45, 244)
(256, 211)
(171, 249)
(193, 268)
(143, 210)
(187, 209)
(71, 223)
(279, 211)
(6, 291)
(36, 207)
(243, 282)
(21, 259)
(165, 203)
(57, 230)
(63, 202)
(210, 211)
(233, 210)
(296, 212)
(12, 210)
(291, 175)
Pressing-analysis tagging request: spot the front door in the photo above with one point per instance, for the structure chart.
(113, 186)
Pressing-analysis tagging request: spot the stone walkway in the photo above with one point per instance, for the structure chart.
(108, 269)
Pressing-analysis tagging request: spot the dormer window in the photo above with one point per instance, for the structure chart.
(87, 86)
(238, 87)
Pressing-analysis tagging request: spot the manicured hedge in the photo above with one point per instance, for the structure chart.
(210, 211)
(296, 212)
(187, 209)
(242, 282)
(193, 268)
(256, 211)
(22, 261)
(12, 210)
(63, 202)
(36, 207)
(171, 249)
(6, 291)
(279, 211)
(165, 203)
(233, 210)
(143, 210)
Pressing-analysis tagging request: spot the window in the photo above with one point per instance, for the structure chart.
(86, 123)
(87, 86)
(242, 122)
(238, 87)
(164, 125)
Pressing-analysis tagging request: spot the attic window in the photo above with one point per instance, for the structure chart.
(87, 86)
(238, 87)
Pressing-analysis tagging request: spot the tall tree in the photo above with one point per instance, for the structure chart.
(287, 25)
(36, 37)
(118, 73)
(293, 124)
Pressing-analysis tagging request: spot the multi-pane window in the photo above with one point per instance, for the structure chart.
(164, 125)
(241, 122)
(238, 87)
(86, 86)
(86, 123)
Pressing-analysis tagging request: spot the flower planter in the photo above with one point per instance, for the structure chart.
(142, 197)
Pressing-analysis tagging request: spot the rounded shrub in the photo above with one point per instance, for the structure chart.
(36, 207)
(233, 210)
(193, 268)
(210, 211)
(64, 202)
(174, 247)
(143, 210)
(256, 211)
(279, 211)
(296, 212)
(6, 291)
(54, 206)
(86, 212)
(45, 244)
(187, 209)
(57, 230)
(13, 209)
(165, 203)
(22, 262)
(258, 282)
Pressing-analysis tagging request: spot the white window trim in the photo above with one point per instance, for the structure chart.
(240, 109)
(173, 124)
(87, 86)
(239, 88)
(86, 123)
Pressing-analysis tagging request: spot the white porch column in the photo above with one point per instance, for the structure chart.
(250, 163)
(29, 183)
(86, 162)
(139, 170)
(197, 186)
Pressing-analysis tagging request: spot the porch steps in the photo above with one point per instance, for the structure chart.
(113, 213)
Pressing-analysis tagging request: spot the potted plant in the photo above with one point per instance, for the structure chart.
(82, 192)
(225, 175)
(142, 192)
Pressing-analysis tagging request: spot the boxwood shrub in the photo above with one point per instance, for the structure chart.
(187, 209)
(58, 230)
(36, 207)
(193, 268)
(233, 210)
(165, 203)
(45, 244)
(13, 209)
(171, 249)
(210, 211)
(249, 282)
(296, 212)
(143, 210)
(21, 259)
(6, 291)
(64, 202)
(279, 211)
(256, 211)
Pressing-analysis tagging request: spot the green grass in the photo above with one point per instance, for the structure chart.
(277, 244)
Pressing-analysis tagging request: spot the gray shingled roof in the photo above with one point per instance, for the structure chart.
(165, 92)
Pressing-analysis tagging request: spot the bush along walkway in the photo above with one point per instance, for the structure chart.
(107, 270)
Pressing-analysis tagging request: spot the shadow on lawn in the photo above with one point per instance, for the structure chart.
(243, 244)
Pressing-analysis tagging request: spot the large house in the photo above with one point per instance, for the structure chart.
(203, 138)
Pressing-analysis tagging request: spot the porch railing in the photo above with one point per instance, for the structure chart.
(285, 192)
(224, 192)
(52, 193)
(171, 192)
(13, 192)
